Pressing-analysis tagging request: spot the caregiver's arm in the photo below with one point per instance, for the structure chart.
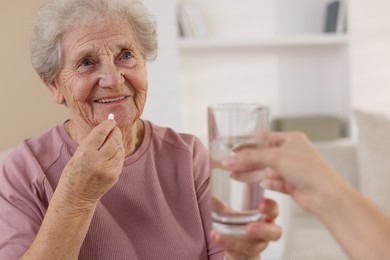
(294, 167)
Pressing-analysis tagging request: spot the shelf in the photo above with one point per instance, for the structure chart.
(269, 42)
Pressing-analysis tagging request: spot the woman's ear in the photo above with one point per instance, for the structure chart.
(55, 91)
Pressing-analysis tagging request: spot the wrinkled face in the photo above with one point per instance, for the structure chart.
(102, 71)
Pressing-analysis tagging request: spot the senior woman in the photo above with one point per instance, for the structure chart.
(98, 188)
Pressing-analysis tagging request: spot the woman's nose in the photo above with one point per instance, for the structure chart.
(110, 76)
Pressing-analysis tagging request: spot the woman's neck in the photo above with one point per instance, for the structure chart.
(132, 135)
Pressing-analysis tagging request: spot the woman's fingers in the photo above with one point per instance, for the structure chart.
(97, 137)
(97, 163)
(266, 229)
(250, 246)
(258, 234)
(269, 208)
(113, 145)
(240, 247)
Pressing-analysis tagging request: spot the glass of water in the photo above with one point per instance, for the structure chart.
(235, 202)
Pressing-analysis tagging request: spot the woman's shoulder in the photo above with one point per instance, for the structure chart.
(42, 149)
(174, 138)
(4, 154)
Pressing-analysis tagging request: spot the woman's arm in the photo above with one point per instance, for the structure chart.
(91, 172)
(62, 232)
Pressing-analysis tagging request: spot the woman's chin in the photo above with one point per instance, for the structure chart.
(124, 123)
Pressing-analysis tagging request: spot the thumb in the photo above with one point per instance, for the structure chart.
(96, 138)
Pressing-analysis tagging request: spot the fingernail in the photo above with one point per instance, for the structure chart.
(214, 235)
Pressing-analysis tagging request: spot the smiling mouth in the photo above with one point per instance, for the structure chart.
(109, 100)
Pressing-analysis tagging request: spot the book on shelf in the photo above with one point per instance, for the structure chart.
(191, 21)
(336, 17)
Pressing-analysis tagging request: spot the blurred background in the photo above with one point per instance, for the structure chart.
(272, 52)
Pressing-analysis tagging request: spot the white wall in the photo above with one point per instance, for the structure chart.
(369, 30)
(26, 106)
(370, 54)
(162, 105)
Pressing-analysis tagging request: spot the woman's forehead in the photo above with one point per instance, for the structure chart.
(115, 35)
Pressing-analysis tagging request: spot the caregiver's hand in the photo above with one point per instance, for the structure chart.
(292, 166)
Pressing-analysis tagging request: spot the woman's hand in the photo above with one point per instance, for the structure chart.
(258, 235)
(96, 165)
(292, 164)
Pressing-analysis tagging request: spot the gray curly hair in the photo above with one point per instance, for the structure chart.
(56, 16)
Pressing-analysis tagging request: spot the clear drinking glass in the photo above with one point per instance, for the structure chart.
(234, 202)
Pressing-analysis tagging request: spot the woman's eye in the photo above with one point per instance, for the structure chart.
(86, 62)
(127, 56)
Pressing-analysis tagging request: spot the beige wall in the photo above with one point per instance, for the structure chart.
(26, 106)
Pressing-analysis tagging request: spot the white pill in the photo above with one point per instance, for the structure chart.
(111, 116)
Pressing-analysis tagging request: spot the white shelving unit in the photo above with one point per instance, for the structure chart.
(324, 40)
(268, 51)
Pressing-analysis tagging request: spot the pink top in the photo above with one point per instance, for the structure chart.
(159, 208)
